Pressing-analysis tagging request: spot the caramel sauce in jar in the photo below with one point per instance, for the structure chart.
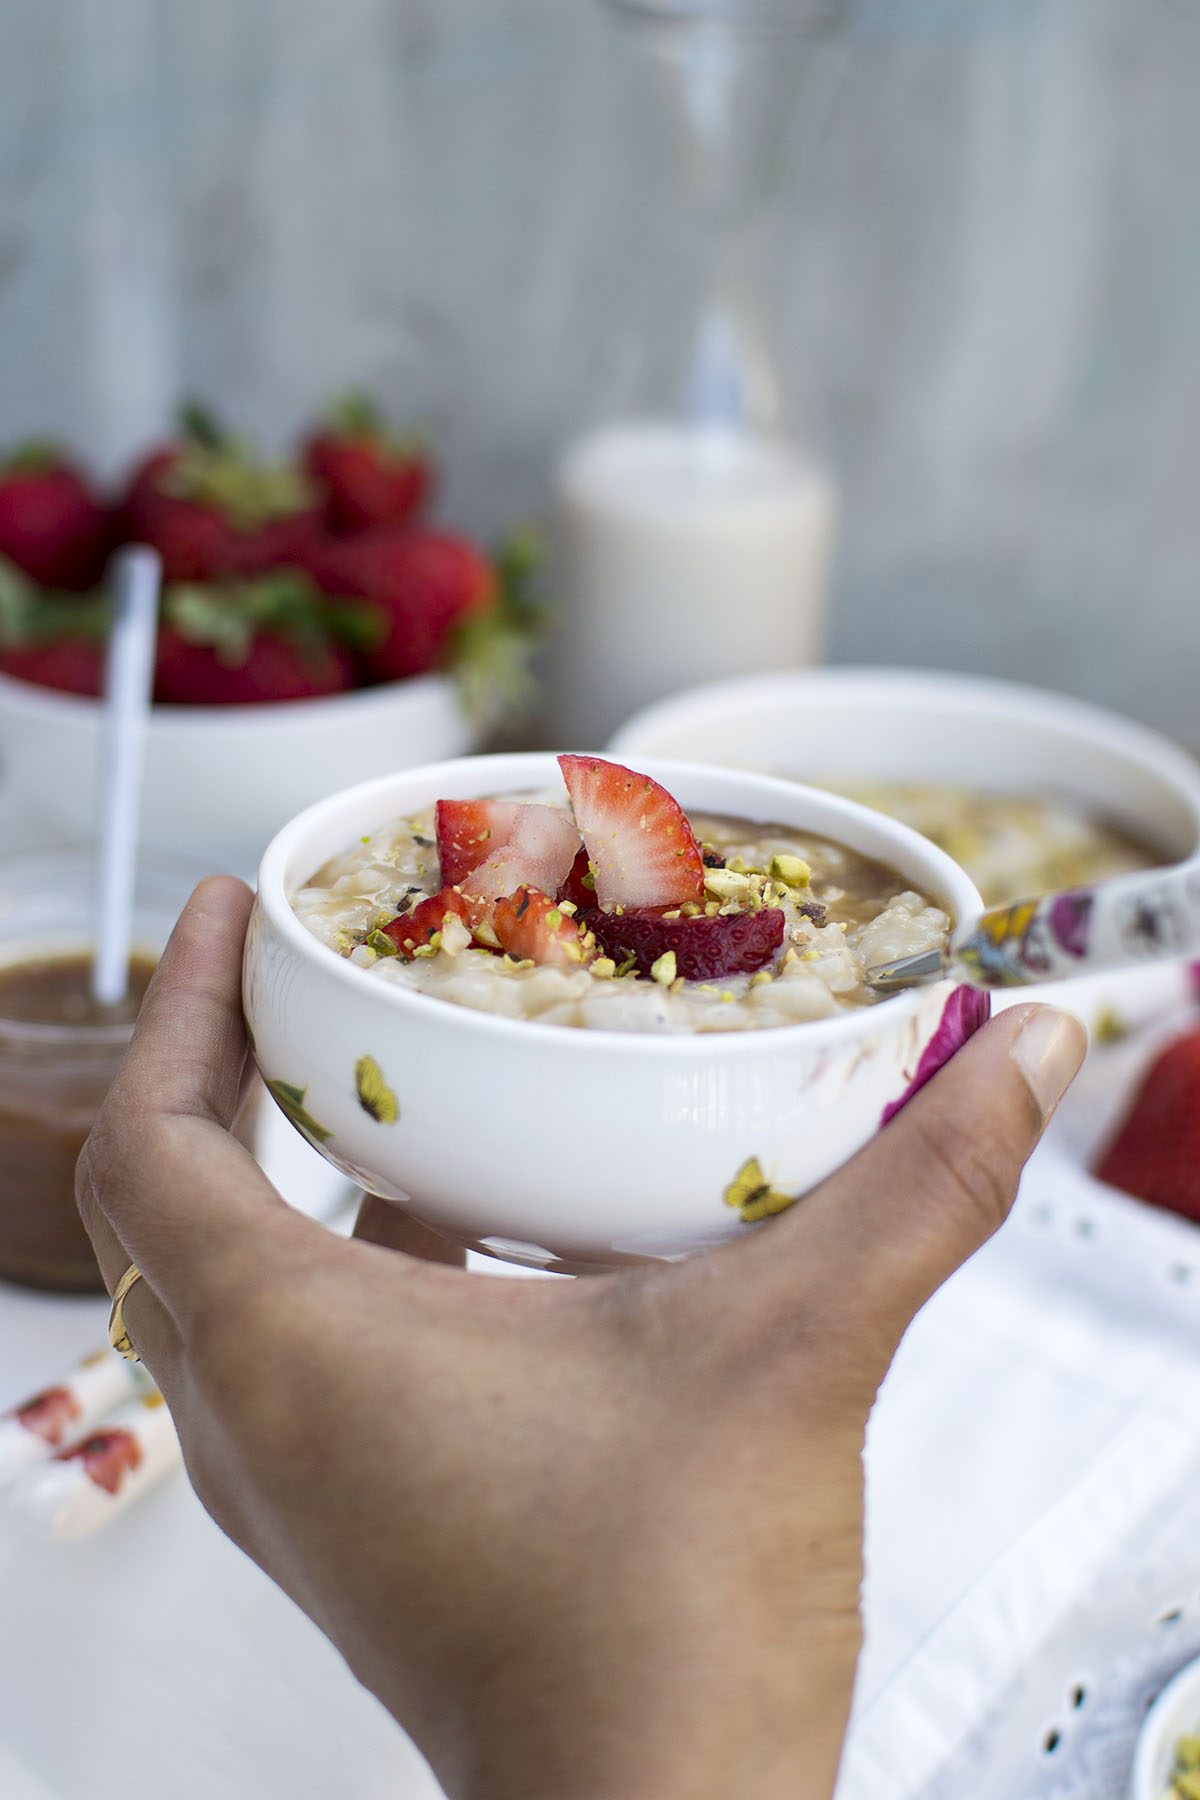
(59, 1052)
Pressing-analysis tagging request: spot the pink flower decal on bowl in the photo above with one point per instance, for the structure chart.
(1070, 918)
(964, 1012)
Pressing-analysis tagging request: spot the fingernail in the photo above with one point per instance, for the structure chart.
(1048, 1050)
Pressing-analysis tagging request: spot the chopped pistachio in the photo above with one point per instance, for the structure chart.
(381, 944)
(604, 968)
(726, 884)
(629, 963)
(793, 871)
(426, 949)
(663, 968)
(569, 907)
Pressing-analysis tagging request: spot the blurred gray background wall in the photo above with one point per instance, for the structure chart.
(990, 293)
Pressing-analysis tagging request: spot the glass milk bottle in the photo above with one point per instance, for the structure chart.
(691, 533)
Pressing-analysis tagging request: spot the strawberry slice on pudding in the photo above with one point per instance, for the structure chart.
(532, 926)
(641, 848)
(490, 848)
(704, 948)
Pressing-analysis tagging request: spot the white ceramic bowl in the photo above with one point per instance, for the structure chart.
(564, 1147)
(1174, 1714)
(888, 725)
(219, 780)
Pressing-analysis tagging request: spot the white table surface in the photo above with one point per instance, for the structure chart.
(1041, 1407)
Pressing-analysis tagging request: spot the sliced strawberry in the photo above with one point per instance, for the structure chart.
(414, 928)
(641, 847)
(705, 948)
(530, 924)
(469, 830)
(1156, 1153)
(580, 884)
(542, 845)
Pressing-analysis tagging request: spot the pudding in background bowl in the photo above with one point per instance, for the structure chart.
(219, 780)
(574, 1148)
(1029, 790)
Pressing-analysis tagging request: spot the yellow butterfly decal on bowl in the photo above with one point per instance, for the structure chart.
(374, 1094)
(752, 1194)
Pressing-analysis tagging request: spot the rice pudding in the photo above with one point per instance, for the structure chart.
(601, 905)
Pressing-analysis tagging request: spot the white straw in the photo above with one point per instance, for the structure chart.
(136, 575)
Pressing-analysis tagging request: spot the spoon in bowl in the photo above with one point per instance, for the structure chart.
(136, 577)
(1150, 916)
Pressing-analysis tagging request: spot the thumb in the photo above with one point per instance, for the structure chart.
(893, 1223)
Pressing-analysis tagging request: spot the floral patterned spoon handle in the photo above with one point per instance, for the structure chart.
(1144, 917)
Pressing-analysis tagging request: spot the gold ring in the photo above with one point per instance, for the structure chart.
(118, 1337)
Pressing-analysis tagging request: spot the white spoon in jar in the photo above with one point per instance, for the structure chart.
(136, 575)
(1150, 916)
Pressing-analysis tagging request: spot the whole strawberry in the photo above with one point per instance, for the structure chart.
(248, 643)
(1155, 1154)
(369, 476)
(52, 526)
(423, 583)
(53, 639)
(212, 508)
(73, 665)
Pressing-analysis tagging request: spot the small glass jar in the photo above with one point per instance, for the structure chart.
(59, 1051)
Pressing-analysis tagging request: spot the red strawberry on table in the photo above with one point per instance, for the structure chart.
(530, 924)
(212, 508)
(705, 949)
(423, 583)
(52, 526)
(369, 476)
(1155, 1155)
(641, 848)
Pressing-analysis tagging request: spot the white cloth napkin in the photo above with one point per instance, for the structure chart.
(1044, 1406)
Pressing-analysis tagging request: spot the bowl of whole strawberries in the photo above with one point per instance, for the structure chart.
(317, 624)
